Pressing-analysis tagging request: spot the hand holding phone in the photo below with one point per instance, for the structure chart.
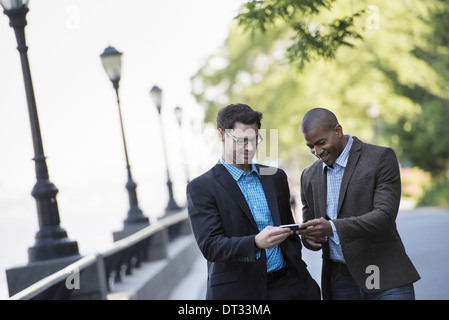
(293, 227)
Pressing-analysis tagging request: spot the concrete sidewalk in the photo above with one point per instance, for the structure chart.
(423, 231)
(193, 285)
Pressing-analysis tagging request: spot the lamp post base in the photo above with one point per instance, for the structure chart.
(172, 207)
(136, 217)
(52, 249)
(51, 239)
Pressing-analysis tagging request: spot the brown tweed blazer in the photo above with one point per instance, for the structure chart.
(366, 218)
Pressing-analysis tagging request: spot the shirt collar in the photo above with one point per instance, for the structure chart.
(342, 159)
(237, 173)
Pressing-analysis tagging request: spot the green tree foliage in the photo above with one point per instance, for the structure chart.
(401, 66)
(424, 134)
(310, 41)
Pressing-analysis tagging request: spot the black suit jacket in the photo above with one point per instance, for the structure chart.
(225, 229)
(368, 204)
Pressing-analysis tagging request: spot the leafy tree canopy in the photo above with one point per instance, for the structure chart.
(312, 39)
(354, 58)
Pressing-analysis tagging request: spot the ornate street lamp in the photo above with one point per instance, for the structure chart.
(178, 115)
(112, 63)
(51, 239)
(156, 94)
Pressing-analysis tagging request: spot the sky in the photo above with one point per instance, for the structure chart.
(164, 43)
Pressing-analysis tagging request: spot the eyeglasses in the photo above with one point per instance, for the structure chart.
(241, 141)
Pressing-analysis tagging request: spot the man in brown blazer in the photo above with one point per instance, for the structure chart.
(350, 199)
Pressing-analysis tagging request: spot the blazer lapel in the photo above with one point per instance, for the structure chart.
(230, 185)
(270, 195)
(353, 158)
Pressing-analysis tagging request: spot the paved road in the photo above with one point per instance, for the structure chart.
(423, 232)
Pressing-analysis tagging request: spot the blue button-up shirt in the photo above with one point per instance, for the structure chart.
(334, 177)
(251, 187)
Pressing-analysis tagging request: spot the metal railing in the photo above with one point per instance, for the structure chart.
(98, 272)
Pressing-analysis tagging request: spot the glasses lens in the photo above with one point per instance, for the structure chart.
(241, 141)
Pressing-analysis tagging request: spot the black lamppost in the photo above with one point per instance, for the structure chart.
(156, 94)
(178, 114)
(51, 239)
(112, 63)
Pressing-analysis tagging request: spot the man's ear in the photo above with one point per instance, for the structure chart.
(221, 134)
(339, 130)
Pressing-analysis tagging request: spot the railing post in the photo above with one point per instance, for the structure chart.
(93, 282)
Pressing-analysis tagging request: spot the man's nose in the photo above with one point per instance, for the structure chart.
(317, 151)
(250, 145)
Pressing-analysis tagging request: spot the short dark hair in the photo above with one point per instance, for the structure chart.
(319, 116)
(238, 112)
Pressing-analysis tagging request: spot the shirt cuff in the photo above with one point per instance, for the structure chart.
(257, 251)
(334, 237)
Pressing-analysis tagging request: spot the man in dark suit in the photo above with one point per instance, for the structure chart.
(350, 199)
(235, 211)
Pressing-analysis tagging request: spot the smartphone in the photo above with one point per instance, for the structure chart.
(293, 227)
